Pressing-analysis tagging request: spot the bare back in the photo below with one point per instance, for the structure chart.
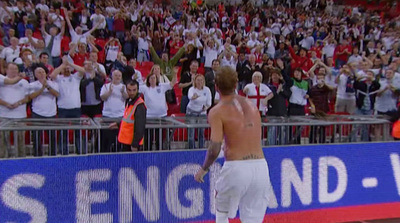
(241, 128)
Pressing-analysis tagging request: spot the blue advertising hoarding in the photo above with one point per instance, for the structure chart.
(308, 182)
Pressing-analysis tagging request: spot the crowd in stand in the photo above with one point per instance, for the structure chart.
(72, 58)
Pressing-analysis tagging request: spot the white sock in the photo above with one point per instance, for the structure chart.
(221, 217)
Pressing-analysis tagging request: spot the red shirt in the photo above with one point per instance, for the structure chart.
(339, 49)
(174, 47)
(101, 55)
(317, 49)
(119, 25)
(79, 59)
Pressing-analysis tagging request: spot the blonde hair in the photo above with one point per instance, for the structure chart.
(152, 69)
(195, 78)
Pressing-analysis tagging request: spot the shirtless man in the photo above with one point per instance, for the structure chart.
(244, 178)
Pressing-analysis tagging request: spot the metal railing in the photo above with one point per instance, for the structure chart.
(37, 137)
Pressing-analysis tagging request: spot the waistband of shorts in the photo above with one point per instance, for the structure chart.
(244, 162)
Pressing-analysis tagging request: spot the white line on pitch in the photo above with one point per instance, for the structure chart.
(369, 182)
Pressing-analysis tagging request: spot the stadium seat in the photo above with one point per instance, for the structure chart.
(144, 67)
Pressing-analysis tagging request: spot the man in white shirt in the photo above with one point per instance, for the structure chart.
(97, 18)
(253, 43)
(143, 48)
(69, 100)
(13, 99)
(77, 34)
(42, 6)
(53, 42)
(9, 54)
(28, 41)
(43, 94)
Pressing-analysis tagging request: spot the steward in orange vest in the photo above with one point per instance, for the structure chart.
(133, 123)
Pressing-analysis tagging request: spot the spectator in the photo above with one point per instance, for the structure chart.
(388, 94)
(199, 101)
(9, 54)
(319, 101)
(345, 97)
(277, 106)
(114, 95)
(342, 53)
(258, 93)
(210, 78)
(366, 90)
(43, 94)
(247, 72)
(90, 87)
(13, 100)
(69, 100)
(186, 82)
(167, 65)
(154, 96)
(53, 42)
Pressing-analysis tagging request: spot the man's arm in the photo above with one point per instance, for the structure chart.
(140, 125)
(154, 56)
(217, 135)
(177, 56)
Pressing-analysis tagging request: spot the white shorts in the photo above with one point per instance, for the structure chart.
(243, 184)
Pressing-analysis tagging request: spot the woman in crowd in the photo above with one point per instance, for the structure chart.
(199, 101)
(154, 97)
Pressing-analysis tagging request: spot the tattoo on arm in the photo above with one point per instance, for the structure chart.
(212, 154)
(251, 157)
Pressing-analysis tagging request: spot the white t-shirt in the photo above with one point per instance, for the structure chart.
(114, 106)
(57, 19)
(204, 99)
(8, 54)
(96, 19)
(387, 101)
(341, 90)
(24, 42)
(42, 7)
(154, 99)
(45, 103)
(143, 44)
(112, 53)
(139, 78)
(232, 62)
(210, 54)
(70, 95)
(264, 91)
(75, 37)
(56, 50)
(12, 94)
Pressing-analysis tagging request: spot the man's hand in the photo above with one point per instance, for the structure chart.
(199, 175)
(113, 125)
(123, 89)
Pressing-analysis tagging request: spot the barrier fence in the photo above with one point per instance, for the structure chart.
(309, 184)
(37, 137)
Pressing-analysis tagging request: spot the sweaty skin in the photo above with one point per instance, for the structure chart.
(241, 128)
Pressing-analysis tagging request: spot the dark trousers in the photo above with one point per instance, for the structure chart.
(317, 134)
(127, 148)
(63, 144)
(109, 141)
(184, 103)
(56, 61)
(91, 110)
(295, 109)
(37, 137)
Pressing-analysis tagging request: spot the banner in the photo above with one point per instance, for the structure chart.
(323, 183)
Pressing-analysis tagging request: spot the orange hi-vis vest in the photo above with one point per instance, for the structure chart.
(126, 131)
(396, 130)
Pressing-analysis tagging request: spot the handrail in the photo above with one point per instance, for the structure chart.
(180, 122)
